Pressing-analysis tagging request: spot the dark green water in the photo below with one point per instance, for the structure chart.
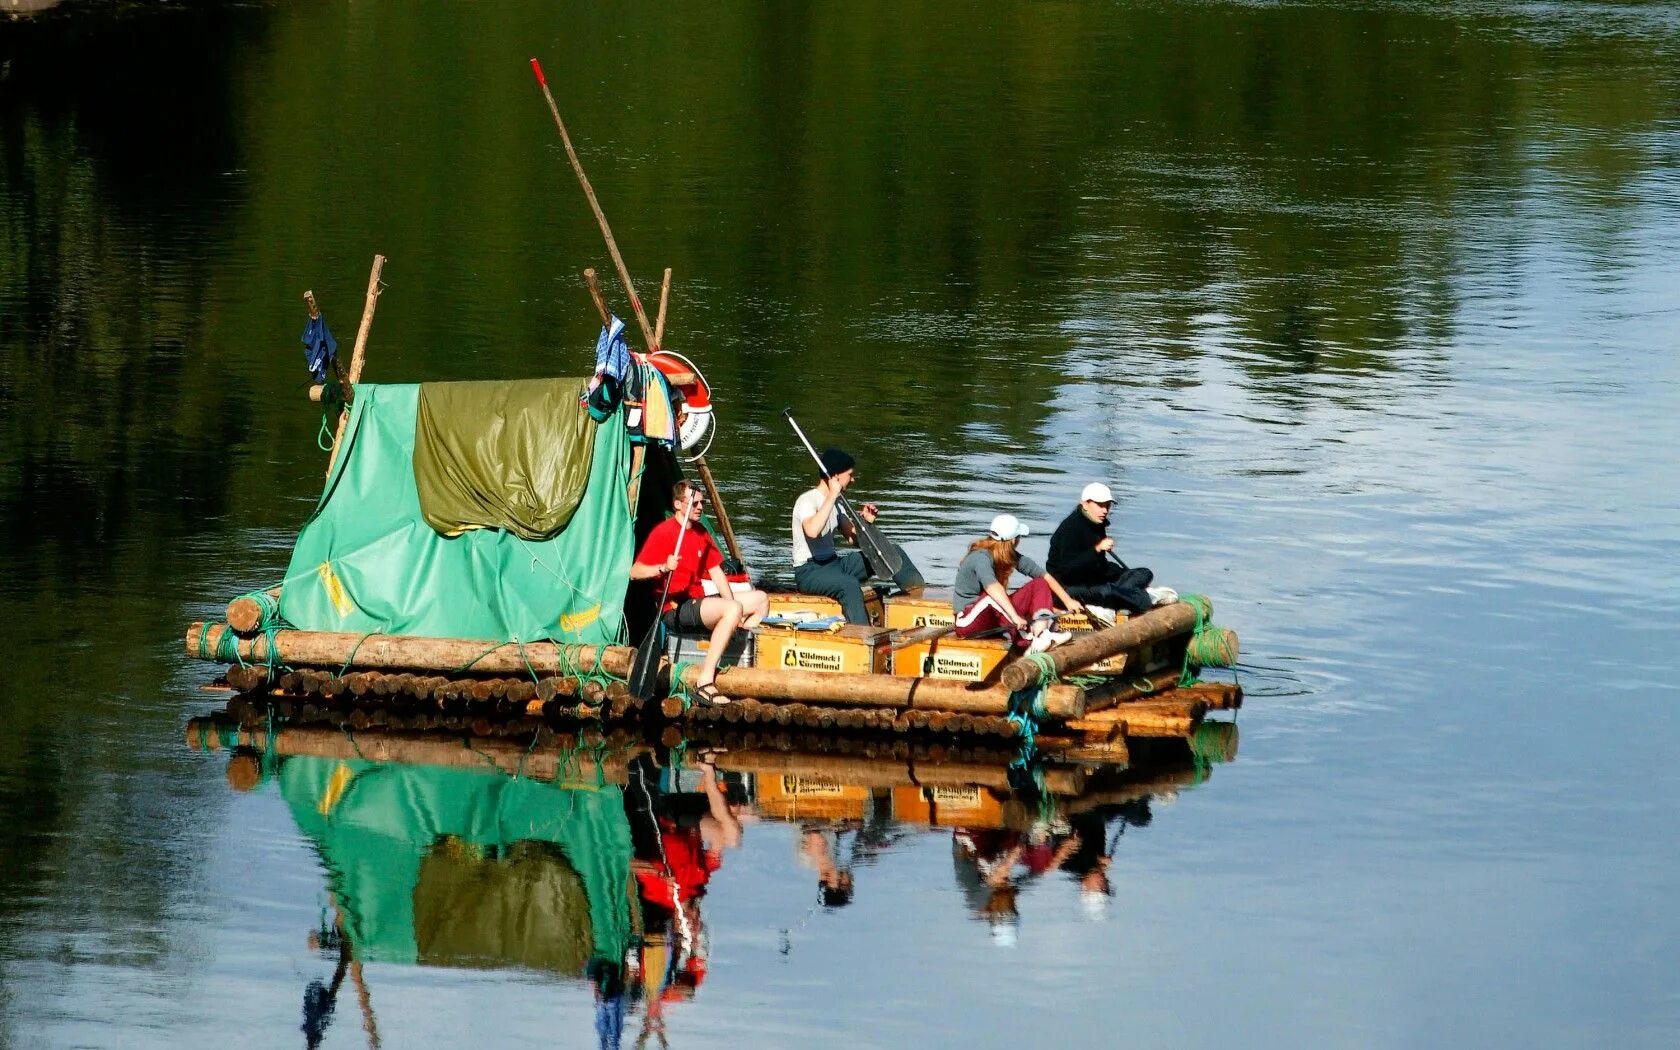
(1367, 313)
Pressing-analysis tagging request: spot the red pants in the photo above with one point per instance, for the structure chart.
(1029, 599)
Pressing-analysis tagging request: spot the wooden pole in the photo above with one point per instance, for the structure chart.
(358, 355)
(919, 635)
(453, 656)
(717, 505)
(1158, 623)
(630, 290)
(664, 300)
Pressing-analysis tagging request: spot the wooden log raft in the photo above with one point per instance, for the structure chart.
(404, 652)
(875, 690)
(1161, 622)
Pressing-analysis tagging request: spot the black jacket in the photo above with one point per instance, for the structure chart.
(1074, 558)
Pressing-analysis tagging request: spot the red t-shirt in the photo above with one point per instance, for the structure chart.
(698, 557)
(691, 865)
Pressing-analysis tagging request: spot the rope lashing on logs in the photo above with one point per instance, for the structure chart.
(226, 649)
(567, 656)
(1209, 646)
(351, 659)
(1026, 706)
(679, 683)
(1046, 668)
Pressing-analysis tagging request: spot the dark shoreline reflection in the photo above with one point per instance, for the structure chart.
(586, 855)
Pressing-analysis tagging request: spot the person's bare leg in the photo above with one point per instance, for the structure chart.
(755, 604)
(722, 615)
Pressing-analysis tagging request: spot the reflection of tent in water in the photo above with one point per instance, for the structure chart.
(457, 867)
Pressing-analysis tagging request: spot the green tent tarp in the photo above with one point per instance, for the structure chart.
(368, 561)
(444, 866)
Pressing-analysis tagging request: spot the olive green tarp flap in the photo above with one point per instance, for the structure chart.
(368, 561)
(511, 455)
(519, 908)
(398, 842)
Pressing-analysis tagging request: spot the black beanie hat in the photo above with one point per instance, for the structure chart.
(835, 461)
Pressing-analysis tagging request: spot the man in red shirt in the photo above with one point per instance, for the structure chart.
(688, 607)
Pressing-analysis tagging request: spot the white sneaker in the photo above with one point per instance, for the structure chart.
(1163, 595)
(1045, 639)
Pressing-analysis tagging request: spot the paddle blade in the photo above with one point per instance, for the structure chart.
(644, 673)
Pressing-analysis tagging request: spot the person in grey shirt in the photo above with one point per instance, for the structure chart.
(982, 600)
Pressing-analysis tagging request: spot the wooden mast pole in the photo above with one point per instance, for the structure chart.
(358, 355)
(629, 289)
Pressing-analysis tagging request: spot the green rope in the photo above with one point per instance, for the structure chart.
(270, 754)
(268, 605)
(324, 436)
(1046, 668)
(1187, 675)
(679, 688)
(352, 657)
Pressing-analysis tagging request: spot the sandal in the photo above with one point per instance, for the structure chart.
(708, 696)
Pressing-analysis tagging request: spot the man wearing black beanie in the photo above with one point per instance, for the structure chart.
(818, 567)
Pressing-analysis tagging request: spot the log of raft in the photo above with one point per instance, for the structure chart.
(1148, 717)
(874, 690)
(1131, 688)
(880, 772)
(245, 613)
(560, 761)
(405, 652)
(1158, 623)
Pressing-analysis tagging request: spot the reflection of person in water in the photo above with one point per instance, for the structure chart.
(819, 850)
(992, 865)
(676, 850)
(320, 1000)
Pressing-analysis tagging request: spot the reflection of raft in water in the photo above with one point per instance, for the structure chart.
(792, 774)
(471, 554)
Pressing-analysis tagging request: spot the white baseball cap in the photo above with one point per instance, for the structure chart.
(1096, 492)
(1008, 527)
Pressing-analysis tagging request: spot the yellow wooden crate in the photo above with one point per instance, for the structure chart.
(786, 602)
(792, 797)
(971, 806)
(782, 604)
(973, 660)
(848, 650)
(904, 614)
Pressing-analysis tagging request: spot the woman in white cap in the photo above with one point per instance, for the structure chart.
(982, 600)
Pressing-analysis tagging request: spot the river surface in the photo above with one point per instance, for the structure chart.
(1367, 312)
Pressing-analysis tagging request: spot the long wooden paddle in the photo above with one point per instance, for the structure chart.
(648, 335)
(884, 559)
(644, 673)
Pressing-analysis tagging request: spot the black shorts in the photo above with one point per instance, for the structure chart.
(685, 617)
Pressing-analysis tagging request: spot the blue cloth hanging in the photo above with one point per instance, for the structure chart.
(612, 355)
(320, 349)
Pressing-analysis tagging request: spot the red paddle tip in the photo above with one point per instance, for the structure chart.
(536, 67)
